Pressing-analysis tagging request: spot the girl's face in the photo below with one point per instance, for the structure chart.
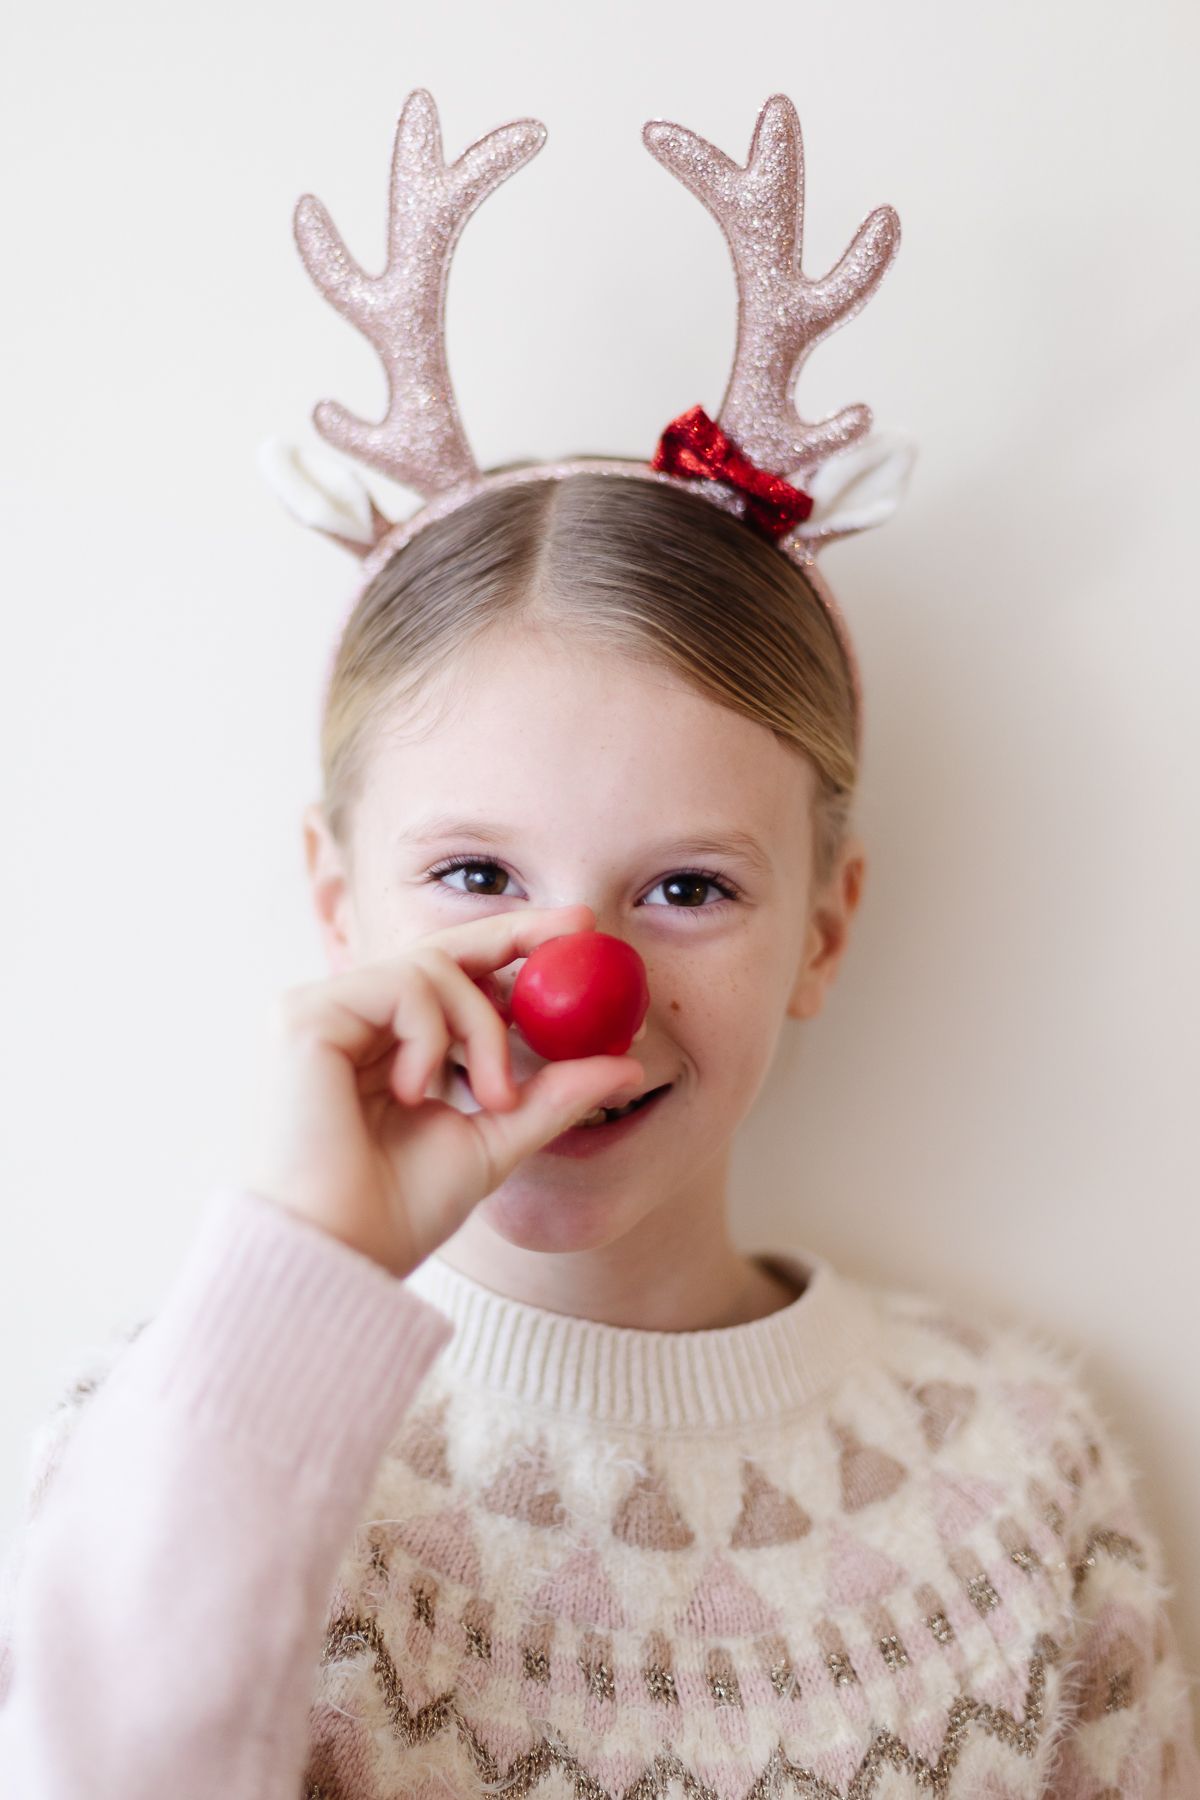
(556, 774)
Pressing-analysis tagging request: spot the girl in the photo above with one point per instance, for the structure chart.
(467, 1454)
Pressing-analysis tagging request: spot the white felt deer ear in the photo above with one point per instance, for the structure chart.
(321, 490)
(859, 487)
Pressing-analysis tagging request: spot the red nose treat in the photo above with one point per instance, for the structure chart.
(582, 994)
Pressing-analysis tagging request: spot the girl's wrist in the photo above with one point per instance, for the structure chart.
(361, 1239)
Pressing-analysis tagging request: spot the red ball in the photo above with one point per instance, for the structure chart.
(582, 994)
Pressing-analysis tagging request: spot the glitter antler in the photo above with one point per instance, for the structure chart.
(420, 442)
(781, 314)
(854, 477)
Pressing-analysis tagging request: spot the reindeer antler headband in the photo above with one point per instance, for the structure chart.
(747, 460)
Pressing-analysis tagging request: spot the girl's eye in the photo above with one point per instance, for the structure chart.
(462, 862)
(683, 884)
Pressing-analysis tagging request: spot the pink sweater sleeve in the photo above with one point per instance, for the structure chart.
(169, 1592)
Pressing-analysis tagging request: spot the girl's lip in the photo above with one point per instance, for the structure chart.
(623, 1100)
(589, 1140)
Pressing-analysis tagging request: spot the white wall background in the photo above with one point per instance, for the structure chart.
(999, 1103)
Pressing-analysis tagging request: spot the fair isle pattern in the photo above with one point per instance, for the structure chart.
(548, 1757)
(916, 1565)
(932, 1579)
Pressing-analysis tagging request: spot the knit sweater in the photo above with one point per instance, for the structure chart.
(315, 1533)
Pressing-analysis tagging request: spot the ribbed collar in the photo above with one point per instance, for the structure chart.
(616, 1375)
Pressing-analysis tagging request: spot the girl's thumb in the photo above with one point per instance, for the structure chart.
(557, 1097)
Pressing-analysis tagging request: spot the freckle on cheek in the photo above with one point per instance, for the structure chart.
(674, 1006)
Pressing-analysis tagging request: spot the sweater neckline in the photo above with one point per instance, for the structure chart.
(620, 1375)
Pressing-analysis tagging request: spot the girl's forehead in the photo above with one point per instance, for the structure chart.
(531, 794)
(633, 739)
(535, 742)
(571, 696)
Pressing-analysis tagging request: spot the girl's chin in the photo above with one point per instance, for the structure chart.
(553, 1203)
(552, 1217)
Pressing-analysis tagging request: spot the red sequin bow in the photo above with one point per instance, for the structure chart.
(693, 444)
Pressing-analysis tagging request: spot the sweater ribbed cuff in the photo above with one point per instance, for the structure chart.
(280, 1334)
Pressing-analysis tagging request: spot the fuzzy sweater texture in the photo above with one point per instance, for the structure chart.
(315, 1533)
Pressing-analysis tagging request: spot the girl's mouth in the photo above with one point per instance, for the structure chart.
(608, 1115)
(612, 1127)
(601, 1129)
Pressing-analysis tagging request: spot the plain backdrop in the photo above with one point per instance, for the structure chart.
(999, 1102)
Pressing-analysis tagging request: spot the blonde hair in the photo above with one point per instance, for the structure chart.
(637, 567)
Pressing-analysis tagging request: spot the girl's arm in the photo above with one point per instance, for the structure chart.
(169, 1594)
(1129, 1727)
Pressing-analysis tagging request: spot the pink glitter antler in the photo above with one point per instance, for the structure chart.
(781, 314)
(420, 441)
(852, 477)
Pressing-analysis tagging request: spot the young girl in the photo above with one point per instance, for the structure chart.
(467, 1454)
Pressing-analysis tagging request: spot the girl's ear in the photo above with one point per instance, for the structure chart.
(330, 888)
(828, 933)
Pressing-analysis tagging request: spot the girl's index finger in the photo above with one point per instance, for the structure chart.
(481, 945)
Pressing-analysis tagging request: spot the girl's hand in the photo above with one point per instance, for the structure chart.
(349, 1140)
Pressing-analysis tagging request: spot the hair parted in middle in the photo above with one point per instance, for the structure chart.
(647, 571)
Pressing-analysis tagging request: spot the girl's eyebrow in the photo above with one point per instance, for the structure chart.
(718, 843)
